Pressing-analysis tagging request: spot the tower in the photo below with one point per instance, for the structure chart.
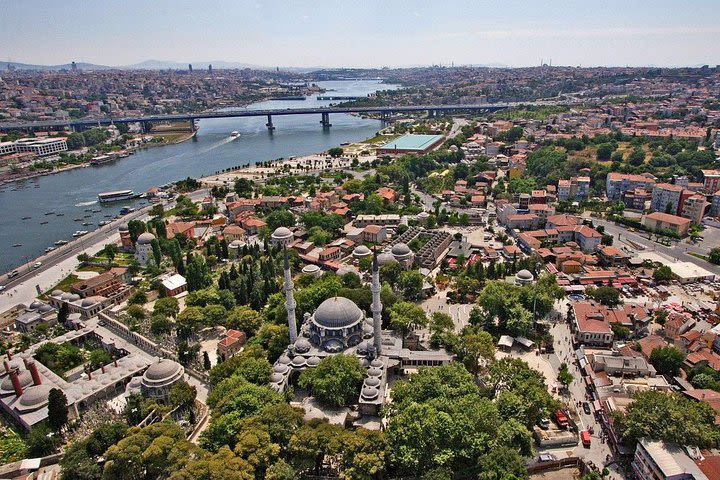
(376, 306)
(282, 237)
(289, 298)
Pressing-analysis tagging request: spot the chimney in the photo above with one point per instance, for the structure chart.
(9, 355)
(7, 366)
(30, 365)
(102, 368)
(115, 360)
(15, 377)
(89, 373)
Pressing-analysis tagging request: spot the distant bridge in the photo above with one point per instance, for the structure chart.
(385, 112)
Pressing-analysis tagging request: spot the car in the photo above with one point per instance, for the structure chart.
(14, 273)
(586, 408)
(546, 457)
(2, 287)
(37, 265)
(544, 423)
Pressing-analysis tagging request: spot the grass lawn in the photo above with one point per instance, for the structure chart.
(380, 139)
(64, 284)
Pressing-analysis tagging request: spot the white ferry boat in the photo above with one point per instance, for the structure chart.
(234, 134)
(116, 196)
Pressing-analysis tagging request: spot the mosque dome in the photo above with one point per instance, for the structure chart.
(302, 345)
(57, 293)
(338, 312)
(524, 276)
(88, 302)
(24, 377)
(313, 361)
(370, 393)
(361, 251)
(35, 396)
(123, 228)
(400, 249)
(74, 297)
(281, 234)
(35, 305)
(162, 370)
(372, 382)
(276, 378)
(45, 308)
(145, 238)
(385, 258)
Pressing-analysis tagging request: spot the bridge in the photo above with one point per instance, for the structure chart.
(324, 112)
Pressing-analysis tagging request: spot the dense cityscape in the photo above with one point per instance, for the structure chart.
(493, 273)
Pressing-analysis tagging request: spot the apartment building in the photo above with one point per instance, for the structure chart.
(660, 221)
(41, 146)
(666, 198)
(619, 183)
(694, 208)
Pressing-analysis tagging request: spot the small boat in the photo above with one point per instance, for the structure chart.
(97, 211)
(88, 209)
(80, 233)
(234, 134)
(26, 218)
(85, 224)
(77, 219)
(87, 216)
(104, 222)
(108, 216)
(17, 244)
(43, 223)
(60, 215)
(61, 242)
(49, 249)
(49, 213)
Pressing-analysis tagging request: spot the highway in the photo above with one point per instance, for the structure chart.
(243, 112)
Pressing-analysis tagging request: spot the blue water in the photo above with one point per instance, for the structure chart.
(74, 191)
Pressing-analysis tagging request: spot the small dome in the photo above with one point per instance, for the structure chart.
(281, 233)
(57, 293)
(45, 308)
(311, 269)
(385, 258)
(123, 228)
(337, 312)
(374, 372)
(361, 251)
(372, 382)
(377, 363)
(145, 238)
(400, 249)
(284, 359)
(298, 361)
(162, 370)
(524, 275)
(370, 393)
(280, 368)
(24, 377)
(313, 361)
(333, 345)
(302, 345)
(363, 347)
(88, 302)
(35, 305)
(368, 331)
(35, 396)
(74, 297)
(276, 378)
(236, 244)
(66, 296)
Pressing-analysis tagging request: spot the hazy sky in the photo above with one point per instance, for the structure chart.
(365, 33)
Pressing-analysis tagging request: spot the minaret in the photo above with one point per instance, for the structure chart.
(376, 306)
(289, 298)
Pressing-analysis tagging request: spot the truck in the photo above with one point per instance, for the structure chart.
(561, 419)
(585, 438)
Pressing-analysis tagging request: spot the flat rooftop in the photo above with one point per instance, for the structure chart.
(413, 142)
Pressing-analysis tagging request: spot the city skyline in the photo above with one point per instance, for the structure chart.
(374, 34)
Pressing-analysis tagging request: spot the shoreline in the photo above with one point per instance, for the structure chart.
(131, 151)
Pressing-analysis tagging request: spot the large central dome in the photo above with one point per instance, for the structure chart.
(338, 312)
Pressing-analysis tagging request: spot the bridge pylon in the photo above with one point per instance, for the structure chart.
(269, 123)
(325, 121)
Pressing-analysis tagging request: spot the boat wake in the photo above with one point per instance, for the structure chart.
(85, 204)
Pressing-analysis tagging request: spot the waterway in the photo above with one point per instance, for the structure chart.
(53, 202)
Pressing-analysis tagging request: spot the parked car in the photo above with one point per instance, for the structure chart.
(37, 265)
(546, 457)
(586, 408)
(544, 423)
(14, 273)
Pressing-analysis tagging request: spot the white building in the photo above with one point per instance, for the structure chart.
(657, 460)
(41, 146)
(143, 249)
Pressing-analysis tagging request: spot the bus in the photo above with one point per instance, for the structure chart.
(585, 437)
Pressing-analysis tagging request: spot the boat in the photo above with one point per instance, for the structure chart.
(85, 224)
(49, 213)
(108, 216)
(104, 222)
(43, 223)
(17, 244)
(60, 214)
(96, 211)
(79, 233)
(87, 216)
(49, 249)
(234, 134)
(116, 196)
(26, 218)
(77, 219)
(61, 242)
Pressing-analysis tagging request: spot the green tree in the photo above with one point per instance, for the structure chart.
(564, 376)
(182, 394)
(335, 152)
(406, 317)
(411, 284)
(606, 295)
(475, 344)
(168, 307)
(244, 187)
(335, 381)
(667, 360)
(671, 417)
(279, 218)
(319, 236)
(41, 441)
(714, 256)
(109, 251)
(57, 409)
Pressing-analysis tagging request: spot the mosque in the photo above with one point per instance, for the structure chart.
(339, 326)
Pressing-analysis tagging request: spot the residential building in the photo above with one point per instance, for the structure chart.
(619, 183)
(659, 221)
(659, 460)
(666, 198)
(715, 206)
(711, 180)
(41, 146)
(694, 208)
(591, 324)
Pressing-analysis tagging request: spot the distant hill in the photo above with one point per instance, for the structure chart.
(146, 65)
(65, 66)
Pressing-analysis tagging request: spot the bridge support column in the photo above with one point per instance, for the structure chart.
(431, 113)
(269, 123)
(325, 121)
(145, 127)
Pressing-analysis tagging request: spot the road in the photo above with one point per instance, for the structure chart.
(677, 252)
